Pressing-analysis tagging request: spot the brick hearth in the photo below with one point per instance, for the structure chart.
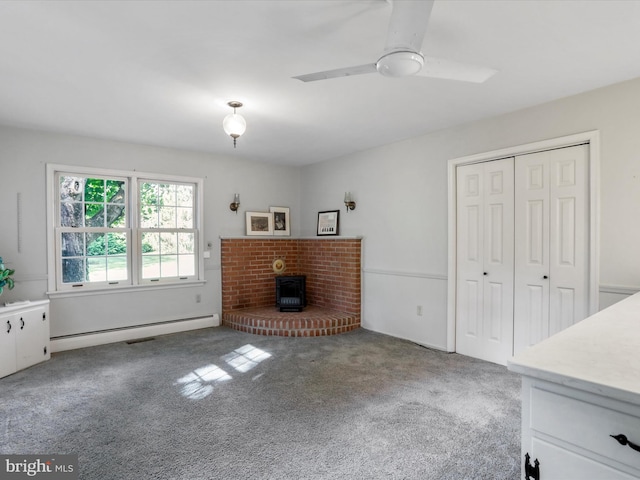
(333, 270)
(312, 322)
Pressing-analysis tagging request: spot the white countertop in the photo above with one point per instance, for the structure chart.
(600, 354)
(21, 304)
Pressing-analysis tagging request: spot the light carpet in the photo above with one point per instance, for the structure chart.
(222, 404)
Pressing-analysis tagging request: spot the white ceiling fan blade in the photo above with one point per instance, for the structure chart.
(450, 70)
(408, 24)
(338, 72)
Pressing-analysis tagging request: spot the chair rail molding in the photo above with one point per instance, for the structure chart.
(619, 289)
(399, 273)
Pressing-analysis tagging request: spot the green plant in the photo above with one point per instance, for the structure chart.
(5, 277)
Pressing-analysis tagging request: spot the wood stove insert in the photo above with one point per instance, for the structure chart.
(290, 293)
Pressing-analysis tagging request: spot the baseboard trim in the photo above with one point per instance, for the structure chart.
(428, 345)
(113, 336)
(431, 346)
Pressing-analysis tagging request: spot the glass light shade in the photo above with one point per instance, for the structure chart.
(347, 197)
(234, 125)
(236, 198)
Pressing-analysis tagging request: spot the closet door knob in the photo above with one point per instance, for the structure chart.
(545, 277)
(485, 273)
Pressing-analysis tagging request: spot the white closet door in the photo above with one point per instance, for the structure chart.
(484, 301)
(569, 238)
(551, 238)
(531, 307)
(470, 252)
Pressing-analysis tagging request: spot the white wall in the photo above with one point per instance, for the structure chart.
(401, 192)
(23, 155)
(400, 189)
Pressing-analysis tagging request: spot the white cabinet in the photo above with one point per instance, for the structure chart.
(24, 336)
(7, 345)
(580, 390)
(569, 432)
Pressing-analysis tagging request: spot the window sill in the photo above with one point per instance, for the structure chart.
(124, 289)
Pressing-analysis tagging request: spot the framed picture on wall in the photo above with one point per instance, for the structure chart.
(259, 223)
(329, 222)
(281, 224)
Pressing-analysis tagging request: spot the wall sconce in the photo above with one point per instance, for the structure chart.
(348, 202)
(235, 204)
(234, 125)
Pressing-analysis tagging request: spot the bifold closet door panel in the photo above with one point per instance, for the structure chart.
(569, 237)
(531, 288)
(551, 243)
(484, 309)
(470, 251)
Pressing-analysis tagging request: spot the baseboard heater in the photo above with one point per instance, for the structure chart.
(92, 339)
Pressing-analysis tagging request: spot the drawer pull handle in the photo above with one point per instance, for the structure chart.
(531, 472)
(8, 326)
(622, 440)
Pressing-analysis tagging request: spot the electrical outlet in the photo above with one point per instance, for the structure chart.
(419, 310)
(198, 298)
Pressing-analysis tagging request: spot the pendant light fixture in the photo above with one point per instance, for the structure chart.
(234, 125)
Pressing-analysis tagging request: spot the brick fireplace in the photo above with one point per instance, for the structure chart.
(332, 267)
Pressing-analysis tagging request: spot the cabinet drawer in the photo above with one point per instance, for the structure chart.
(586, 426)
(559, 464)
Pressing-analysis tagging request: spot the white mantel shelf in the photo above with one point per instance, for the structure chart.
(600, 354)
(275, 237)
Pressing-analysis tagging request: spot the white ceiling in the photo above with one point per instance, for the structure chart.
(162, 72)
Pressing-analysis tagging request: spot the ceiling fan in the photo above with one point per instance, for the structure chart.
(402, 56)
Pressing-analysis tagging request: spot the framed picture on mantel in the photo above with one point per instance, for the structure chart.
(259, 223)
(281, 221)
(329, 222)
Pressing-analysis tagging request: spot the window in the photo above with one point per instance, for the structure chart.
(167, 230)
(119, 229)
(92, 230)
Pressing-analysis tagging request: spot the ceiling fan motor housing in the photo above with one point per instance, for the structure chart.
(400, 64)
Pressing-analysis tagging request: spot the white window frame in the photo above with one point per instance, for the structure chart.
(133, 178)
(141, 230)
(60, 230)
